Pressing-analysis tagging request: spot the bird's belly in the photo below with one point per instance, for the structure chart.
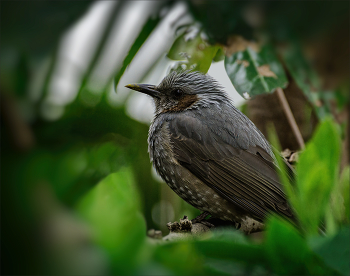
(191, 189)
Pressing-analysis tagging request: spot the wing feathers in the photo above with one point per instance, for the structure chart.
(244, 175)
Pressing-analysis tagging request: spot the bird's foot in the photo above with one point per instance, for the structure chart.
(201, 219)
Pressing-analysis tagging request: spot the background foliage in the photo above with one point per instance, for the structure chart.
(77, 192)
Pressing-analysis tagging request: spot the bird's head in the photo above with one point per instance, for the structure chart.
(181, 91)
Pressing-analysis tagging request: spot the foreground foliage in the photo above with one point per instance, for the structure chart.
(284, 249)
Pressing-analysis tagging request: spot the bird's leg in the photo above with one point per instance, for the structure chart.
(201, 219)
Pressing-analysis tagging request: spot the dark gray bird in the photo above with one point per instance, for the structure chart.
(210, 153)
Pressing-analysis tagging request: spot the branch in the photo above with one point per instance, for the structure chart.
(290, 118)
(186, 230)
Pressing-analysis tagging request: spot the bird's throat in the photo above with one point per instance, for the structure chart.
(184, 103)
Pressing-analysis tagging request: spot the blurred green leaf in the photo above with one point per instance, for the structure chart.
(180, 258)
(306, 78)
(302, 72)
(334, 250)
(342, 95)
(287, 252)
(255, 72)
(317, 174)
(71, 170)
(102, 123)
(345, 188)
(219, 56)
(153, 268)
(117, 10)
(338, 209)
(231, 249)
(195, 53)
(142, 37)
(112, 210)
(225, 267)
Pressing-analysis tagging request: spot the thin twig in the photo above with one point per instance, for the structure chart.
(290, 118)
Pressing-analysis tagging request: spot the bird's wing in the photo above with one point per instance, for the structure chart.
(246, 177)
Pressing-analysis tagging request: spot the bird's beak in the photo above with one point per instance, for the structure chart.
(145, 88)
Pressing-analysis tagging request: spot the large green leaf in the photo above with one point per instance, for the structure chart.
(317, 174)
(255, 72)
(195, 53)
(180, 258)
(318, 193)
(338, 209)
(112, 210)
(287, 252)
(229, 249)
(335, 250)
(71, 170)
(344, 190)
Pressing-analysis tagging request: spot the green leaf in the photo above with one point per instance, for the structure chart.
(112, 210)
(317, 174)
(219, 56)
(144, 34)
(228, 250)
(118, 9)
(254, 72)
(338, 209)
(335, 250)
(194, 53)
(287, 252)
(345, 188)
(342, 96)
(307, 79)
(232, 248)
(180, 258)
(225, 267)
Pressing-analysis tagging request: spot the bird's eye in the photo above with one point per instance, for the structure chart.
(177, 92)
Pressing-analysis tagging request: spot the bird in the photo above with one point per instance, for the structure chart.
(211, 154)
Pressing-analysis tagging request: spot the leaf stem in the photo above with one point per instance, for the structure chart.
(290, 117)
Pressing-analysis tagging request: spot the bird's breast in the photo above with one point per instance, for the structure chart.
(162, 154)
